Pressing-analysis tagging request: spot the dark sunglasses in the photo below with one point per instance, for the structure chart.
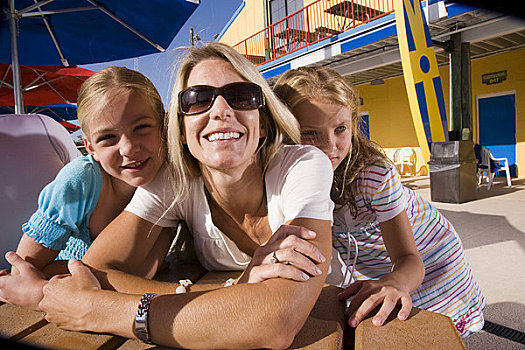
(241, 95)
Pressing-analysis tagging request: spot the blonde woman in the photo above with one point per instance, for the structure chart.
(251, 201)
(121, 115)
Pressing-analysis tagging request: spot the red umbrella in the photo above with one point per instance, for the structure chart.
(43, 85)
(69, 126)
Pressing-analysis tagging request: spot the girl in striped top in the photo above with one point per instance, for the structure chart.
(403, 251)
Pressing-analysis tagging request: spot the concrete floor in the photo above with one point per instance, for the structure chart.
(492, 228)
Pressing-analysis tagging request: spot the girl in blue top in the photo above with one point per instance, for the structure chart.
(121, 115)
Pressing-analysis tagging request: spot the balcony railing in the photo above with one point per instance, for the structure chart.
(315, 22)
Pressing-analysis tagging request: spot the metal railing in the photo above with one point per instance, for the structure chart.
(317, 21)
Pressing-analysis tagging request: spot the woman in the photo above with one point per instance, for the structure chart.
(247, 198)
(405, 251)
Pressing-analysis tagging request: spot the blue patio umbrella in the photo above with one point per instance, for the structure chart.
(74, 32)
(60, 113)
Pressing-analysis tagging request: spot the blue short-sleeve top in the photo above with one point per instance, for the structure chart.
(64, 208)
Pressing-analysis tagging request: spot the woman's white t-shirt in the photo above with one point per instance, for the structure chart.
(298, 182)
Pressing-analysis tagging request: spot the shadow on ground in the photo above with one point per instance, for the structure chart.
(476, 230)
(506, 314)
(499, 188)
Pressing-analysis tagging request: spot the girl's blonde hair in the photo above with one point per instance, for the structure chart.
(102, 86)
(278, 122)
(325, 85)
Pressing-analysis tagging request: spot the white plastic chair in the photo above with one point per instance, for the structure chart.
(393, 155)
(488, 166)
(407, 156)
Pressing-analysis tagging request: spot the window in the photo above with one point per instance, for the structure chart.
(285, 35)
(282, 8)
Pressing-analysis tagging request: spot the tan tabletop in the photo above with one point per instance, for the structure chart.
(324, 328)
(422, 330)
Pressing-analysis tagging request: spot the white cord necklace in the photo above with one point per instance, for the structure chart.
(349, 236)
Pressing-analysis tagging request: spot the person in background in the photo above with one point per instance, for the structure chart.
(398, 248)
(121, 115)
(34, 149)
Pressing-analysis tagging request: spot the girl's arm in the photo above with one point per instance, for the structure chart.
(407, 267)
(260, 315)
(23, 287)
(407, 274)
(33, 263)
(41, 257)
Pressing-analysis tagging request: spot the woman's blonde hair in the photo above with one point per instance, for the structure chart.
(278, 122)
(325, 85)
(102, 86)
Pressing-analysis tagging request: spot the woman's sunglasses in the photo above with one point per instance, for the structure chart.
(241, 96)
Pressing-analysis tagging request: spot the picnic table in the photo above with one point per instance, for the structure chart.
(324, 328)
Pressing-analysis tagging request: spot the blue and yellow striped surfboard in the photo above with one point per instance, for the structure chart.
(422, 81)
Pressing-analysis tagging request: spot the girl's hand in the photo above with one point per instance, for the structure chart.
(63, 293)
(287, 254)
(369, 294)
(23, 288)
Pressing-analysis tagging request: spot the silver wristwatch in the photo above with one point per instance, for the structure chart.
(141, 318)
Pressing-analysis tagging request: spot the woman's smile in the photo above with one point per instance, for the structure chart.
(221, 137)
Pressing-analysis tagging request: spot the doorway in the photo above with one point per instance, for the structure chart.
(497, 126)
(365, 127)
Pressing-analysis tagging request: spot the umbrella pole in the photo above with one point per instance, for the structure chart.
(19, 98)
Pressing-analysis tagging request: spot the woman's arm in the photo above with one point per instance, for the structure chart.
(266, 314)
(261, 315)
(287, 254)
(407, 274)
(127, 254)
(127, 267)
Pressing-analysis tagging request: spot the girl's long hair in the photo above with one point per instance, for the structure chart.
(325, 85)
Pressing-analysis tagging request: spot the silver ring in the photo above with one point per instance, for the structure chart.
(273, 258)
(44, 314)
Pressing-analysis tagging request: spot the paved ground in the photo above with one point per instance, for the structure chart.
(492, 228)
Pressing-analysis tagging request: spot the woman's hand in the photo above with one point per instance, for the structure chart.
(23, 287)
(369, 294)
(287, 254)
(62, 296)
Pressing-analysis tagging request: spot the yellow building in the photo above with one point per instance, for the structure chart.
(358, 39)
